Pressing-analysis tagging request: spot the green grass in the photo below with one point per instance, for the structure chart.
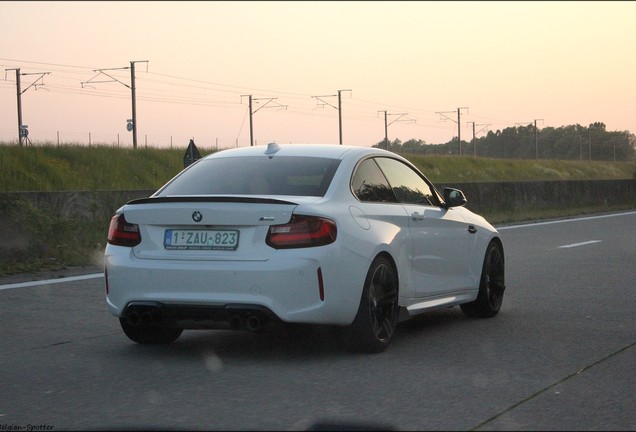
(101, 167)
(446, 169)
(74, 167)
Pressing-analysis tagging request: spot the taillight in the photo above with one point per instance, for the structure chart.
(302, 231)
(122, 233)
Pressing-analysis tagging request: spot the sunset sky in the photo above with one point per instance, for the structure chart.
(503, 63)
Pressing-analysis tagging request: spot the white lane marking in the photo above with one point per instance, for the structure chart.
(565, 221)
(51, 281)
(580, 244)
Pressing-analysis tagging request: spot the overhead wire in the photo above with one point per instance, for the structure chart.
(171, 89)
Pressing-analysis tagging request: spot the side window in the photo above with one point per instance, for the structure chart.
(369, 184)
(408, 186)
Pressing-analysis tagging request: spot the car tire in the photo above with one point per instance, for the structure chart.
(376, 320)
(150, 335)
(491, 285)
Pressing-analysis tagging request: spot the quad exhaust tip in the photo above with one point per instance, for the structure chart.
(149, 315)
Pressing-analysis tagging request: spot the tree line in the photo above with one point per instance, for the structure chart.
(573, 142)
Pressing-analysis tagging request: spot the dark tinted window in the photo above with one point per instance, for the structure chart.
(408, 186)
(369, 184)
(257, 175)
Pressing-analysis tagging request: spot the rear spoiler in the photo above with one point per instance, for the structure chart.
(204, 198)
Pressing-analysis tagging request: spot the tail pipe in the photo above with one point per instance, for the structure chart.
(132, 317)
(253, 323)
(236, 322)
(144, 315)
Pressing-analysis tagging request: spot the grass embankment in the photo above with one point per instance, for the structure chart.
(64, 168)
(453, 169)
(44, 239)
(68, 168)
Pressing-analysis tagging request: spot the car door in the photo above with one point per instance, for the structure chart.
(440, 240)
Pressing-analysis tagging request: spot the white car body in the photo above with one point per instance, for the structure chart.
(438, 252)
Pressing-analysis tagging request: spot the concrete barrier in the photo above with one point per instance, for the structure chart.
(76, 204)
(55, 211)
(57, 226)
(502, 197)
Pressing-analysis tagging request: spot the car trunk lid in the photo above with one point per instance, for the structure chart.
(206, 228)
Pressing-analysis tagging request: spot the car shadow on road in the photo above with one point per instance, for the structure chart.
(277, 344)
(297, 342)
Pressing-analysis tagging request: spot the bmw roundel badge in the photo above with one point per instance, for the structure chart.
(197, 216)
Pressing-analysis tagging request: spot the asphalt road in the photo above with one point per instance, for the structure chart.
(561, 355)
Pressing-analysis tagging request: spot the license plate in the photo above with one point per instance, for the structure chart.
(201, 239)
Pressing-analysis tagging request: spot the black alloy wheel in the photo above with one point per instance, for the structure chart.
(491, 287)
(376, 320)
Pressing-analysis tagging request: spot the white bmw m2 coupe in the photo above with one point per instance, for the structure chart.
(337, 235)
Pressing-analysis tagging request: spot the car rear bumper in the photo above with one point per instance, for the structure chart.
(286, 285)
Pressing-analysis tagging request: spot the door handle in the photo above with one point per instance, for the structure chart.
(416, 216)
(472, 229)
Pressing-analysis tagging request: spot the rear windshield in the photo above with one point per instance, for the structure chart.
(256, 175)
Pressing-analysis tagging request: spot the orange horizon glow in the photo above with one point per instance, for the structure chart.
(509, 63)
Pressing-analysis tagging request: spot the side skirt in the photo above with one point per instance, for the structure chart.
(412, 307)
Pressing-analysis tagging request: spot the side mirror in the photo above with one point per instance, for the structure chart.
(454, 198)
